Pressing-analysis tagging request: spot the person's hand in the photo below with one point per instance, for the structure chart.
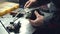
(38, 21)
(29, 3)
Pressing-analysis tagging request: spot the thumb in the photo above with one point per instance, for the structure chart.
(37, 14)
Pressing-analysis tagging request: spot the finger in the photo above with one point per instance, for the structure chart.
(34, 23)
(31, 21)
(26, 4)
(37, 14)
(29, 4)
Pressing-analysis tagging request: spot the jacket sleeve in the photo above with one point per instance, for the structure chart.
(49, 15)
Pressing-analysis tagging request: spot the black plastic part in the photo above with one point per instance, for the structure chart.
(33, 16)
(16, 27)
(20, 15)
(11, 22)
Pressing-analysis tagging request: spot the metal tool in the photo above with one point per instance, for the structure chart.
(4, 27)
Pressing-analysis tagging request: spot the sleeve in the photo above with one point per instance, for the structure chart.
(50, 14)
(47, 17)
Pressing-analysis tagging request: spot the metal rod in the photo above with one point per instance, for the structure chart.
(4, 27)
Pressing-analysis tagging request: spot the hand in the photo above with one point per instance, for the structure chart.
(29, 3)
(38, 21)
